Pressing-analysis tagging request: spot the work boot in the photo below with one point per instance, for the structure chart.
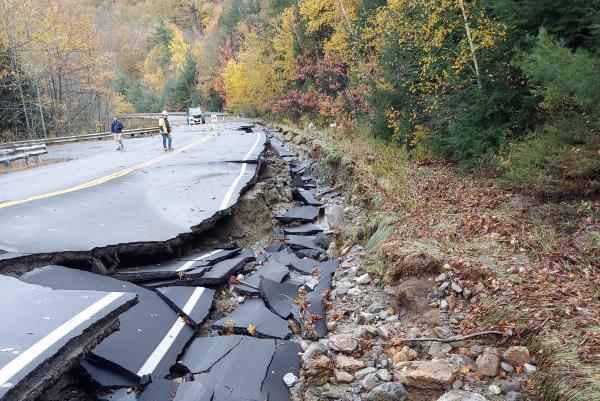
(166, 149)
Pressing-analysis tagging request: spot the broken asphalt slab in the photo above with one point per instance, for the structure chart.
(304, 266)
(45, 331)
(272, 270)
(280, 148)
(217, 364)
(179, 297)
(197, 262)
(279, 297)
(302, 242)
(151, 334)
(254, 312)
(211, 276)
(304, 229)
(302, 214)
(194, 391)
(306, 196)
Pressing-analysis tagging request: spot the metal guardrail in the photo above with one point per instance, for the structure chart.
(75, 138)
(175, 113)
(15, 153)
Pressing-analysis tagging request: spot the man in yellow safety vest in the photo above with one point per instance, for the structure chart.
(165, 130)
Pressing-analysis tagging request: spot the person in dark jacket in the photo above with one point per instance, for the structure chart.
(116, 128)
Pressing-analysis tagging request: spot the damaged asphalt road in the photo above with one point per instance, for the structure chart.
(177, 342)
(140, 195)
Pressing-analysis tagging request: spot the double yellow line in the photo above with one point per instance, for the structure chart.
(105, 178)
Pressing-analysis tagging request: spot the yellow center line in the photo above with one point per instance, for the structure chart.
(105, 178)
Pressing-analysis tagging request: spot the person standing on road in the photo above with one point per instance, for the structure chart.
(165, 130)
(116, 128)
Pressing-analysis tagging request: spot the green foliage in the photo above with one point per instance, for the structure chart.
(162, 35)
(563, 76)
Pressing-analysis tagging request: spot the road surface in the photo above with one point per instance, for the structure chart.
(100, 197)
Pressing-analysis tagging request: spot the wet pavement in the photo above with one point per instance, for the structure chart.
(166, 348)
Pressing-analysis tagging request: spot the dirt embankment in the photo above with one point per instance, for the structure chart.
(430, 252)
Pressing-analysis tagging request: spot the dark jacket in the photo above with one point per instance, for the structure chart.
(116, 127)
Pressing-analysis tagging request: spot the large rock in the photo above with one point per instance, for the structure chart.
(387, 392)
(343, 343)
(461, 395)
(488, 363)
(320, 370)
(437, 374)
(517, 356)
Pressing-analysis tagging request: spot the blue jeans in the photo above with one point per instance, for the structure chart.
(167, 137)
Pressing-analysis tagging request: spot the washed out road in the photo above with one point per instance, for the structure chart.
(99, 197)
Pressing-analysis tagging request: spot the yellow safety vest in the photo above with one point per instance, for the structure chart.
(162, 125)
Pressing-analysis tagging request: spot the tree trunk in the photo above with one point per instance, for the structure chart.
(470, 39)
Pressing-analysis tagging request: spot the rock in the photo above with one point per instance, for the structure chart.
(364, 372)
(385, 331)
(365, 318)
(494, 389)
(335, 216)
(314, 350)
(343, 377)
(392, 318)
(476, 349)
(403, 354)
(437, 374)
(348, 363)
(343, 343)
(516, 396)
(442, 331)
(467, 293)
(506, 386)
(438, 350)
(354, 291)
(479, 288)
(387, 392)
(461, 395)
(433, 318)
(506, 367)
(342, 287)
(488, 363)
(529, 368)
(320, 370)
(363, 279)
(331, 325)
(384, 375)
(441, 278)
(458, 361)
(290, 379)
(444, 304)
(517, 356)
(443, 286)
(456, 288)
(370, 381)
(457, 385)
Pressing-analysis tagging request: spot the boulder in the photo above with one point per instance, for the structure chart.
(343, 377)
(438, 374)
(320, 370)
(387, 392)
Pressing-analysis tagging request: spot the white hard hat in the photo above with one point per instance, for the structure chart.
(164, 113)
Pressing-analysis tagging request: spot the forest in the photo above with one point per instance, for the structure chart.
(508, 87)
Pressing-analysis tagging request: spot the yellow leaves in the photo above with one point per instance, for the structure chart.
(251, 329)
(178, 48)
(153, 75)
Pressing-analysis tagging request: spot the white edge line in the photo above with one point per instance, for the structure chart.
(229, 193)
(187, 264)
(26, 357)
(162, 348)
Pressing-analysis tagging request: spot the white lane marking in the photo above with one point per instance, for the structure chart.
(162, 348)
(27, 356)
(229, 193)
(189, 264)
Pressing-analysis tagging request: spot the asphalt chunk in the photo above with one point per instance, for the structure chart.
(254, 312)
(151, 334)
(45, 331)
(179, 297)
(285, 360)
(304, 229)
(272, 270)
(302, 214)
(306, 196)
(279, 297)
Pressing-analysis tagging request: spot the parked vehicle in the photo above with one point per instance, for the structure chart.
(195, 116)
